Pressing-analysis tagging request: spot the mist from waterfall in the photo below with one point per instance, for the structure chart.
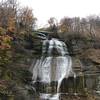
(54, 65)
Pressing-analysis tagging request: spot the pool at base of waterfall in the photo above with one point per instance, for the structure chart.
(49, 96)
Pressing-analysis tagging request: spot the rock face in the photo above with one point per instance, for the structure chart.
(86, 59)
(86, 64)
(85, 55)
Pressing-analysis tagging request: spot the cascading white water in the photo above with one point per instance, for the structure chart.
(54, 65)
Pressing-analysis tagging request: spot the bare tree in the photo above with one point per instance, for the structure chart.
(53, 25)
(26, 19)
(76, 24)
(8, 12)
(66, 25)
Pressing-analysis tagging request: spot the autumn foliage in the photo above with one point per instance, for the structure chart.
(12, 16)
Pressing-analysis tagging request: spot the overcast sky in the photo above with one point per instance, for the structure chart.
(44, 9)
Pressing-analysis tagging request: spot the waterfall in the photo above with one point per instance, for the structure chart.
(54, 65)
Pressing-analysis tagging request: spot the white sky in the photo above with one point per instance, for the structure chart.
(44, 9)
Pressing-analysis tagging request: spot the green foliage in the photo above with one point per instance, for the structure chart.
(2, 31)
